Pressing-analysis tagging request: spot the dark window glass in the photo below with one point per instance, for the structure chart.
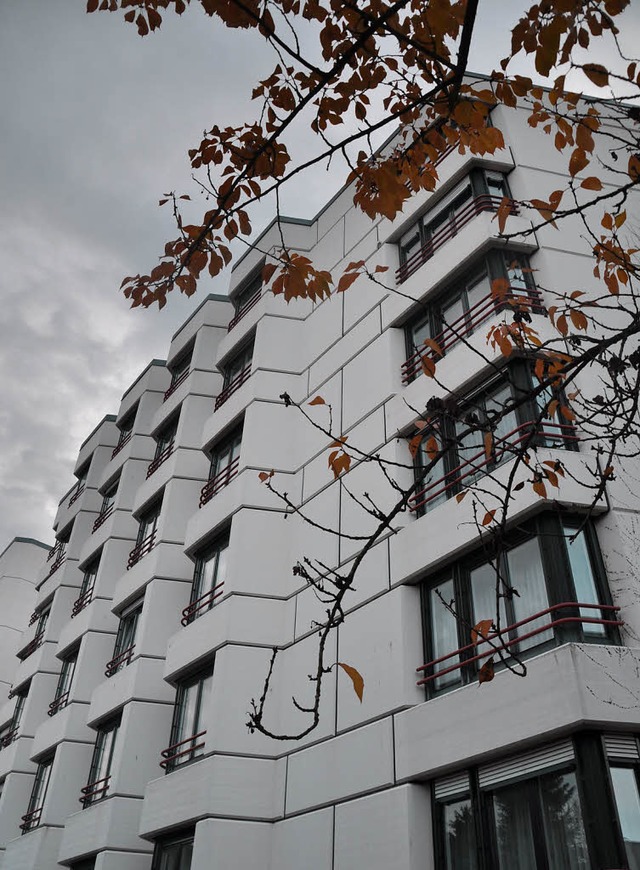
(225, 454)
(247, 293)
(625, 789)
(125, 639)
(174, 854)
(236, 366)
(181, 366)
(65, 679)
(109, 497)
(148, 522)
(459, 836)
(208, 578)
(38, 797)
(166, 436)
(188, 719)
(100, 772)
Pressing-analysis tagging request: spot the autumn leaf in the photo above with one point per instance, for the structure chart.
(356, 679)
(539, 488)
(578, 161)
(461, 495)
(597, 74)
(264, 476)
(346, 281)
(486, 672)
(488, 444)
(481, 630)
(339, 462)
(317, 401)
(428, 366)
(591, 183)
(488, 517)
(431, 448)
(633, 168)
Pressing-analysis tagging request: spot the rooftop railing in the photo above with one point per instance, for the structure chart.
(155, 463)
(172, 753)
(463, 326)
(58, 704)
(500, 642)
(540, 434)
(182, 377)
(141, 549)
(205, 602)
(232, 386)
(94, 791)
(215, 484)
(31, 820)
(459, 219)
(124, 439)
(120, 661)
(102, 517)
(82, 601)
(244, 309)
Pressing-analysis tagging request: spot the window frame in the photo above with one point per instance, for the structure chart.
(202, 680)
(38, 797)
(241, 359)
(213, 550)
(125, 640)
(65, 681)
(103, 748)
(185, 838)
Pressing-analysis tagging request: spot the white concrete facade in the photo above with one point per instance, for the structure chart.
(121, 663)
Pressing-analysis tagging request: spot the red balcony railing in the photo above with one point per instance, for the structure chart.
(155, 463)
(55, 550)
(31, 820)
(484, 202)
(463, 326)
(500, 642)
(82, 601)
(54, 567)
(141, 549)
(34, 617)
(244, 309)
(505, 447)
(171, 754)
(31, 647)
(182, 377)
(219, 481)
(232, 386)
(102, 517)
(94, 791)
(58, 704)
(125, 437)
(192, 611)
(120, 661)
(8, 738)
(76, 495)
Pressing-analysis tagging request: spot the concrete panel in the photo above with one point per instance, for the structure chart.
(307, 838)
(230, 845)
(111, 823)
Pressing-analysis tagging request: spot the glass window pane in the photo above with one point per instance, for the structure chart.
(495, 403)
(459, 836)
(514, 831)
(433, 492)
(526, 575)
(444, 633)
(625, 789)
(453, 316)
(583, 580)
(565, 839)
(419, 332)
(483, 593)
(410, 244)
(480, 304)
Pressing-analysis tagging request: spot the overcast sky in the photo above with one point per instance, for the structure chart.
(95, 126)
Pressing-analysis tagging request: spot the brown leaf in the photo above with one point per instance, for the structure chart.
(486, 672)
(578, 161)
(539, 488)
(355, 677)
(264, 476)
(317, 401)
(92, 5)
(591, 183)
(488, 517)
(414, 445)
(461, 495)
(597, 74)
(347, 280)
(339, 462)
(633, 168)
(428, 366)
(481, 630)
(488, 444)
(431, 448)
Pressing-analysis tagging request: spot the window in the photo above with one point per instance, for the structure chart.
(179, 371)
(187, 733)
(551, 582)
(165, 440)
(65, 679)
(108, 502)
(627, 798)
(125, 639)
(33, 816)
(174, 853)
(126, 430)
(57, 554)
(246, 298)
(466, 459)
(482, 190)
(235, 372)
(38, 638)
(225, 461)
(13, 729)
(466, 305)
(208, 580)
(87, 586)
(100, 772)
(80, 485)
(86, 864)
(146, 533)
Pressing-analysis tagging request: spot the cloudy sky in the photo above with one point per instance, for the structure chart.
(95, 126)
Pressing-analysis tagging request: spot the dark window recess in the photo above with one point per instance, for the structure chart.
(552, 589)
(107, 506)
(482, 190)
(80, 485)
(63, 689)
(465, 427)
(236, 371)
(100, 772)
(179, 371)
(38, 638)
(12, 731)
(464, 306)
(225, 462)
(58, 553)
(187, 733)
(87, 587)
(125, 639)
(208, 580)
(246, 299)
(33, 817)
(626, 790)
(126, 430)
(174, 853)
(147, 530)
(165, 443)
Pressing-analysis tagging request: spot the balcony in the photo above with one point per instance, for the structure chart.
(55, 551)
(232, 386)
(508, 638)
(182, 377)
(76, 495)
(205, 602)
(141, 549)
(58, 704)
(31, 820)
(8, 738)
(82, 601)
(482, 203)
(524, 300)
(102, 517)
(187, 747)
(155, 464)
(94, 791)
(219, 482)
(125, 437)
(531, 434)
(31, 647)
(58, 562)
(120, 661)
(244, 309)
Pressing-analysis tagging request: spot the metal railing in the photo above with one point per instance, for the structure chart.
(169, 755)
(463, 326)
(141, 549)
(120, 661)
(232, 386)
(155, 463)
(31, 647)
(124, 439)
(215, 484)
(35, 616)
(498, 643)
(244, 309)
(8, 738)
(192, 611)
(182, 377)
(459, 219)
(94, 791)
(54, 567)
(82, 601)
(31, 820)
(503, 448)
(58, 704)
(102, 517)
(76, 495)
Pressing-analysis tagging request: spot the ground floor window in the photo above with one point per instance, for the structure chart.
(174, 853)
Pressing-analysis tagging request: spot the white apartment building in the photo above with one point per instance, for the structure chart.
(124, 743)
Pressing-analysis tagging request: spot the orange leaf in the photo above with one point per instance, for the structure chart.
(488, 444)
(428, 366)
(486, 672)
(633, 168)
(346, 281)
(431, 448)
(488, 517)
(264, 476)
(578, 161)
(317, 401)
(591, 183)
(267, 272)
(461, 495)
(435, 347)
(481, 630)
(414, 445)
(578, 319)
(355, 677)
(339, 462)
(540, 489)
(597, 74)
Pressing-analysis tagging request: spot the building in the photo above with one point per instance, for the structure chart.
(124, 741)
